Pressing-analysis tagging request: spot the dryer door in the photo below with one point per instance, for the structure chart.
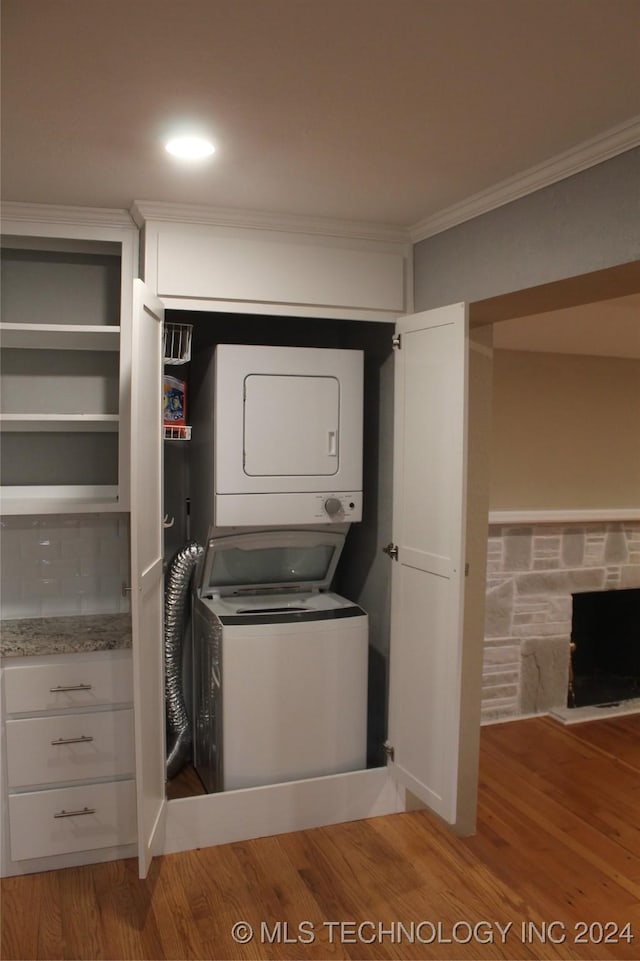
(291, 425)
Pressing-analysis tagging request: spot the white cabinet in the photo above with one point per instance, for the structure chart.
(65, 361)
(289, 270)
(147, 570)
(59, 685)
(49, 750)
(199, 258)
(68, 768)
(76, 819)
(68, 772)
(286, 270)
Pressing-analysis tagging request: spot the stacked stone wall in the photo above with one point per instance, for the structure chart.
(532, 571)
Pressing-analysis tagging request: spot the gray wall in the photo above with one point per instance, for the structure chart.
(585, 223)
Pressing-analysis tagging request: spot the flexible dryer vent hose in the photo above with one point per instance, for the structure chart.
(176, 602)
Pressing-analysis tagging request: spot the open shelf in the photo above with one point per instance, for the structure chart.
(59, 422)
(176, 433)
(61, 499)
(60, 336)
(177, 343)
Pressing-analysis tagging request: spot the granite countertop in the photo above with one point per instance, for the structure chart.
(36, 636)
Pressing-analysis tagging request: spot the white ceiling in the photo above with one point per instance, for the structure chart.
(386, 111)
(609, 328)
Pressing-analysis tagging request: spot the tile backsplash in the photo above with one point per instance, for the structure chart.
(59, 564)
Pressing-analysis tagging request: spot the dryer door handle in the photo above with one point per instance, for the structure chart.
(332, 448)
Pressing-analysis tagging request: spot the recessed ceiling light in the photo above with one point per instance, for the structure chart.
(190, 148)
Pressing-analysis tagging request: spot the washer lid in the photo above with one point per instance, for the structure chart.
(284, 560)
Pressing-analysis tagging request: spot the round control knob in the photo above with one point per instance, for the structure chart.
(333, 506)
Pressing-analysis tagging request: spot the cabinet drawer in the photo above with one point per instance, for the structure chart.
(45, 823)
(88, 681)
(46, 750)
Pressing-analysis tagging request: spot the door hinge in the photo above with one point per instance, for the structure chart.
(466, 569)
(389, 750)
(396, 341)
(392, 550)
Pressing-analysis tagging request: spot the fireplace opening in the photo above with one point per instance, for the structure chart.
(605, 648)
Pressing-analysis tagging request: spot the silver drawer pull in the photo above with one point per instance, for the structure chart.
(83, 739)
(71, 687)
(73, 814)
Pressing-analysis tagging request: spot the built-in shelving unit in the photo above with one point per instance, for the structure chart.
(64, 390)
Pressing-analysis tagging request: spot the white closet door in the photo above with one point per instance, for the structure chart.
(425, 699)
(146, 571)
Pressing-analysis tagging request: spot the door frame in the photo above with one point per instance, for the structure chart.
(581, 289)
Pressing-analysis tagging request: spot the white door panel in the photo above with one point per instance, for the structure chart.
(430, 445)
(419, 674)
(146, 570)
(427, 578)
(424, 561)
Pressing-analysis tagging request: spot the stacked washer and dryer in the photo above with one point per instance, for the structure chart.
(280, 661)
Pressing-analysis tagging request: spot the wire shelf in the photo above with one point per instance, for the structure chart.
(177, 343)
(177, 433)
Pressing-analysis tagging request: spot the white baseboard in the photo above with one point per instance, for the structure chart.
(213, 819)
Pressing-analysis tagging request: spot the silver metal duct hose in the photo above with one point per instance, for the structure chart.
(176, 602)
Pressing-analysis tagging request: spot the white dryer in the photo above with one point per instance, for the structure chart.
(280, 662)
(277, 436)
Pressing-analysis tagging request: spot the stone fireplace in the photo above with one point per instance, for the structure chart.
(533, 571)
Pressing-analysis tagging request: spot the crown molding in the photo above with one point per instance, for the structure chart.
(62, 214)
(609, 144)
(591, 152)
(143, 211)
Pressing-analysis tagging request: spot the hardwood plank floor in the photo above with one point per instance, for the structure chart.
(557, 848)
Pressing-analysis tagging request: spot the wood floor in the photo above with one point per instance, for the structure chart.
(553, 872)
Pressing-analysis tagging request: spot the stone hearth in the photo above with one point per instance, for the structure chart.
(532, 571)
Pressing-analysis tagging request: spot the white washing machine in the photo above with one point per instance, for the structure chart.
(277, 436)
(280, 662)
